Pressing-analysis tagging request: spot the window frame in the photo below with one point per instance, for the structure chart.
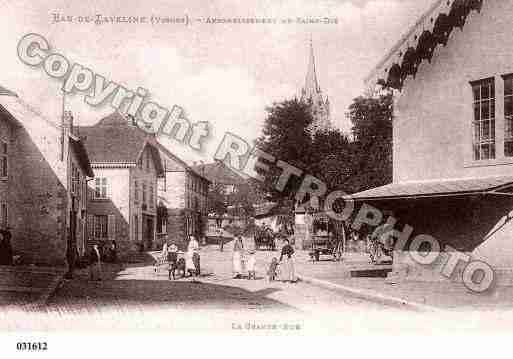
(101, 185)
(486, 134)
(101, 226)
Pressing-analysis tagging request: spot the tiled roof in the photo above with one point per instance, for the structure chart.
(115, 140)
(434, 188)
(174, 163)
(220, 173)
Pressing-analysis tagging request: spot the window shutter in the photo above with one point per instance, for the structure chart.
(90, 226)
(111, 227)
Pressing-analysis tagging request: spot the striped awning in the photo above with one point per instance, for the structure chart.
(435, 188)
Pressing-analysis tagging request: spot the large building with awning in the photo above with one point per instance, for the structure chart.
(452, 74)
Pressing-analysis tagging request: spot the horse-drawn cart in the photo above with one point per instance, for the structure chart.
(265, 237)
(326, 245)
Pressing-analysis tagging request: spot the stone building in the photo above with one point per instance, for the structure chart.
(227, 182)
(311, 93)
(182, 196)
(123, 200)
(453, 135)
(44, 169)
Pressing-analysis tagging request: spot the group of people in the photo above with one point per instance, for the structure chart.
(190, 265)
(245, 262)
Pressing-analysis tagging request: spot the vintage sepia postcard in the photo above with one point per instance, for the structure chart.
(263, 168)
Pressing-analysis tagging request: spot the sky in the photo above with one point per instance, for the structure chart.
(226, 74)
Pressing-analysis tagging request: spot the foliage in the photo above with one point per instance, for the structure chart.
(371, 117)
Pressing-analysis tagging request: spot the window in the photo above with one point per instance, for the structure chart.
(161, 182)
(4, 215)
(484, 119)
(75, 180)
(101, 226)
(136, 191)
(3, 160)
(144, 192)
(148, 159)
(508, 115)
(151, 197)
(100, 187)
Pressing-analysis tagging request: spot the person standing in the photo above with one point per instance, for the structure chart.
(287, 272)
(192, 249)
(70, 257)
(238, 248)
(95, 269)
(5, 248)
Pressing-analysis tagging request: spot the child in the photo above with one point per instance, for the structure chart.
(251, 264)
(172, 259)
(273, 268)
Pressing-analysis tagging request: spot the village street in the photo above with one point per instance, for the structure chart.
(137, 285)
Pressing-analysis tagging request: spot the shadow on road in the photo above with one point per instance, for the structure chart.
(84, 295)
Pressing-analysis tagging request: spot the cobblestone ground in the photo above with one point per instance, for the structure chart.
(139, 286)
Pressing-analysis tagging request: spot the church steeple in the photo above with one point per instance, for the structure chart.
(311, 84)
(311, 93)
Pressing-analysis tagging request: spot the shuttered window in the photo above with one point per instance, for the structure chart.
(4, 215)
(3, 159)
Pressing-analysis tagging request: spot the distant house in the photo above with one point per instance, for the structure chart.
(226, 181)
(123, 195)
(453, 135)
(220, 174)
(44, 169)
(183, 199)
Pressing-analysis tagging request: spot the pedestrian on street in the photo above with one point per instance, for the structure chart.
(70, 257)
(251, 265)
(287, 269)
(192, 249)
(95, 266)
(5, 248)
(238, 248)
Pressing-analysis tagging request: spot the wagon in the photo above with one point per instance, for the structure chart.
(265, 238)
(326, 245)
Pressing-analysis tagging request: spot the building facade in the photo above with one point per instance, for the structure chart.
(44, 169)
(453, 134)
(123, 195)
(183, 200)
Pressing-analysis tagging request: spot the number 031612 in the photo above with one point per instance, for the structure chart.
(31, 346)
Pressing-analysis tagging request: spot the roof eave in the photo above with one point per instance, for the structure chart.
(418, 44)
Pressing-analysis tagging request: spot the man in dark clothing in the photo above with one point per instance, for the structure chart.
(70, 257)
(5, 248)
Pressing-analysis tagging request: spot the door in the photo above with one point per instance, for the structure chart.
(148, 231)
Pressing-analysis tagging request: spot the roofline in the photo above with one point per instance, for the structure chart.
(402, 40)
(187, 167)
(490, 190)
(432, 29)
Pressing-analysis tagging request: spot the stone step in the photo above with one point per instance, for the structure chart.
(379, 272)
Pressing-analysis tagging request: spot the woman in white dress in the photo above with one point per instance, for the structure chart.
(191, 249)
(238, 248)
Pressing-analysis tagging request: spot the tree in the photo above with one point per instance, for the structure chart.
(371, 117)
(325, 155)
(287, 138)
